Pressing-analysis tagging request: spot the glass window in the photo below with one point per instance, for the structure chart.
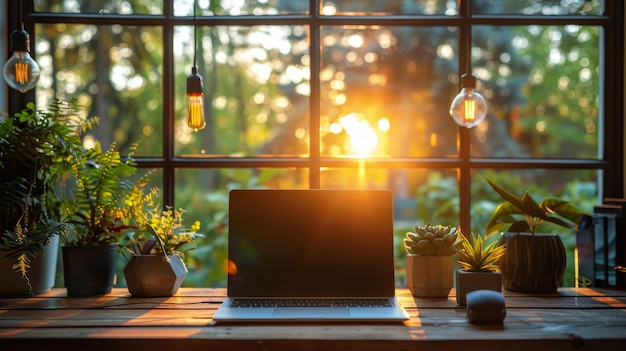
(542, 84)
(257, 86)
(345, 94)
(114, 71)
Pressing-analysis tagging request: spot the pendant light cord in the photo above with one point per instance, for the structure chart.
(195, 34)
(21, 14)
(468, 43)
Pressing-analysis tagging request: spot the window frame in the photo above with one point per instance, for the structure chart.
(610, 161)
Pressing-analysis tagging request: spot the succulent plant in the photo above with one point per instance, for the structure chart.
(475, 256)
(433, 240)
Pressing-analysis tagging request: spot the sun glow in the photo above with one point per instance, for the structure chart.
(363, 137)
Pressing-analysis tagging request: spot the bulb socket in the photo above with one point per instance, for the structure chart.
(20, 40)
(194, 83)
(468, 81)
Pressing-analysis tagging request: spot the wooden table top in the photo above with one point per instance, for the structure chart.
(586, 319)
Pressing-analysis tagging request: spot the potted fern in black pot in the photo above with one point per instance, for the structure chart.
(534, 261)
(34, 151)
(95, 205)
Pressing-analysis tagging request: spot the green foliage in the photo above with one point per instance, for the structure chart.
(159, 230)
(97, 208)
(476, 256)
(34, 150)
(524, 214)
(433, 240)
(438, 199)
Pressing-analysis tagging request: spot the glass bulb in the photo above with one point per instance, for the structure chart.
(21, 72)
(195, 112)
(468, 108)
(195, 107)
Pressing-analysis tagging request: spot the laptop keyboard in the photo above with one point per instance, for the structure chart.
(261, 303)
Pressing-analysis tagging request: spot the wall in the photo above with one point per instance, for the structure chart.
(3, 53)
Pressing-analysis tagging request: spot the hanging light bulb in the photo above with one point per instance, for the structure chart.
(21, 72)
(468, 108)
(195, 107)
(195, 88)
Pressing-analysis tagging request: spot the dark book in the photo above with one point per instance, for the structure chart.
(609, 249)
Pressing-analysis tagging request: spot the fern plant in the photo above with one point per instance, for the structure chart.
(35, 149)
(95, 199)
(474, 256)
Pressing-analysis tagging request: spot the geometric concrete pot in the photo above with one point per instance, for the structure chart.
(152, 275)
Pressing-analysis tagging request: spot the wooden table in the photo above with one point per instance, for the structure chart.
(585, 319)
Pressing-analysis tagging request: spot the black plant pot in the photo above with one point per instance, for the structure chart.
(467, 281)
(532, 263)
(89, 270)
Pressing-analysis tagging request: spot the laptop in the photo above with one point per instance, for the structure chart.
(310, 255)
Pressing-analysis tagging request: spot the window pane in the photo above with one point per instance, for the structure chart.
(386, 91)
(580, 187)
(421, 196)
(540, 7)
(122, 7)
(542, 85)
(112, 74)
(256, 90)
(203, 194)
(377, 7)
(241, 7)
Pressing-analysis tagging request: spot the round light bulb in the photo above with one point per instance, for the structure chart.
(21, 72)
(468, 108)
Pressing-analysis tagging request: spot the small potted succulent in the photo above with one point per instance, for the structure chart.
(534, 261)
(479, 266)
(430, 259)
(157, 244)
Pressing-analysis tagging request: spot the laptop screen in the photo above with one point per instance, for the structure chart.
(311, 243)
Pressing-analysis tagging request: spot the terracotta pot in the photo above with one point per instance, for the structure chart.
(152, 275)
(40, 275)
(532, 263)
(430, 276)
(89, 270)
(467, 281)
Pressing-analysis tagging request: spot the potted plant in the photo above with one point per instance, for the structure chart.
(479, 266)
(534, 261)
(156, 267)
(95, 204)
(430, 259)
(34, 148)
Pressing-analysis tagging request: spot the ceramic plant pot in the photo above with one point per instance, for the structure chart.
(532, 263)
(152, 275)
(430, 276)
(89, 270)
(467, 281)
(41, 274)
